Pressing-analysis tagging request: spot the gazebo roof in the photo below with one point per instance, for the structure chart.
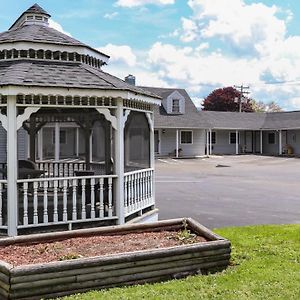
(31, 32)
(58, 74)
(39, 34)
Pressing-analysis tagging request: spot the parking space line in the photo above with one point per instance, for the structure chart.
(166, 162)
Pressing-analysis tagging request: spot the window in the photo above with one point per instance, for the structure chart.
(186, 137)
(175, 106)
(213, 137)
(232, 138)
(271, 138)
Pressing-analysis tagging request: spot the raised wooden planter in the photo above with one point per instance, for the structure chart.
(67, 277)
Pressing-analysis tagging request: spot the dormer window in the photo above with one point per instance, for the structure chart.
(39, 18)
(29, 18)
(174, 103)
(175, 106)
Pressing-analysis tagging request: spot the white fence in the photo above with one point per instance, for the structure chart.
(138, 191)
(51, 201)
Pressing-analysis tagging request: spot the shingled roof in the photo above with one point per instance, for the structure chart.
(190, 119)
(282, 120)
(251, 121)
(39, 34)
(58, 74)
(35, 8)
(233, 120)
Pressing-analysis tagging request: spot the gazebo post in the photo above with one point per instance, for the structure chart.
(32, 134)
(119, 162)
(107, 147)
(12, 167)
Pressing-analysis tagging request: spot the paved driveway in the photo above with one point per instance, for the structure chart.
(230, 190)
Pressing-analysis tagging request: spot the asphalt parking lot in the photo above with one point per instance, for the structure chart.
(229, 190)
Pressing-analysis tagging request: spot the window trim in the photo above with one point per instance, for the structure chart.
(239, 138)
(192, 137)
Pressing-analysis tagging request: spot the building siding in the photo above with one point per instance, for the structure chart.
(293, 139)
(222, 145)
(168, 143)
(272, 149)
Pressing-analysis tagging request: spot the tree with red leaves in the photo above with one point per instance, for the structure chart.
(226, 99)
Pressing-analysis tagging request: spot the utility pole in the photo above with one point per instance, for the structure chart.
(243, 91)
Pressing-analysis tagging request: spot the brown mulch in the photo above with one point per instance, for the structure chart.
(90, 247)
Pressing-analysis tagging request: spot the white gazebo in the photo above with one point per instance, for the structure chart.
(50, 81)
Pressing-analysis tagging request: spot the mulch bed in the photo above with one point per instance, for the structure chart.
(26, 254)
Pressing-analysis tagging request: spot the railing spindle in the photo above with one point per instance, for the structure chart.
(83, 210)
(92, 198)
(45, 216)
(74, 204)
(110, 211)
(125, 194)
(25, 203)
(55, 202)
(35, 203)
(65, 200)
(101, 198)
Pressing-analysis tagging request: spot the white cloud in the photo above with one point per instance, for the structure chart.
(293, 103)
(111, 16)
(264, 56)
(253, 28)
(121, 53)
(190, 66)
(58, 27)
(189, 30)
(135, 3)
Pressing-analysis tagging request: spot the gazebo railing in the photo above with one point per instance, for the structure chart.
(138, 191)
(67, 200)
(67, 168)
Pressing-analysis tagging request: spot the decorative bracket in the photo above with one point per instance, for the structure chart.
(126, 115)
(27, 113)
(150, 121)
(108, 116)
(3, 120)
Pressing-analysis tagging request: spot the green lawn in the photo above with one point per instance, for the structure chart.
(265, 265)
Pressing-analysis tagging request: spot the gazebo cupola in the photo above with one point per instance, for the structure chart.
(77, 144)
(33, 15)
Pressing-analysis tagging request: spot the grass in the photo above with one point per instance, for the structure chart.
(265, 265)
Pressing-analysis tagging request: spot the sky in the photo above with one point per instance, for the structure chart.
(198, 45)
